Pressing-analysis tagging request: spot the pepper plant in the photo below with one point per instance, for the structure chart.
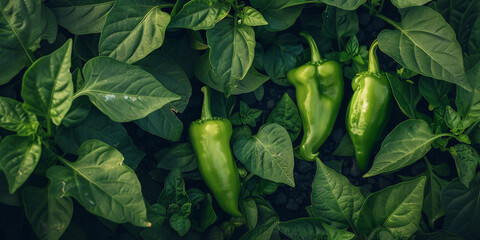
(95, 94)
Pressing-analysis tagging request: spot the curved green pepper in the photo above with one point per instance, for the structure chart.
(210, 137)
(319, 90)
(369, 109)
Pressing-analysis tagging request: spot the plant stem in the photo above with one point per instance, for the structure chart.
(313, 47)
(388, 20)
(373, 66)
(206, 112)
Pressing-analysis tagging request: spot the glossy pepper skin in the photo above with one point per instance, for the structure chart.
(319, 89)
(210, 137)
(369, 109)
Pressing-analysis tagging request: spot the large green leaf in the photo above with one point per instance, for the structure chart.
(452, 11)
(309, 228)
(338, 23)
(252, 80)
(47, 87)
(19, 156)
(14, 118)
(81, 16)
(49, 215)
(122, 91)
(334, 199)
(424, 43)
(279, 14)
(98, 126)
(406, 95)
(101, 183)
(232, 47)
(466, 160)
(468, 103)
(405, 145)
(431, 203)
(397, 208)
(469, 31)
(23, 24)
(164, 122)
(409, 3)
(286, 115)
(268, 154)
(345, 4)
(261, 232)
(133, 29)
(200, 14)
(283, 55)
(462, 208)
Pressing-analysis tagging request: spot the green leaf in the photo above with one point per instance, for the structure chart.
(14, 118)
(470, 28)
(397, 208)
(276, 12)
(426, 44)
(101, 183)
(345, 4)
(180, 224)
(251, 17)
(86, 46)
(338, 23)
(337, 234)
(462, 204)
(204, 72)
(100, 127)
(268, 154)
(433, 188)
(133, 29)
(164, 122)
(406, 95)
(408, 142)
(260, 232)
(453, 120)
(409, 3)
(453, 11)
(200, 14)
(122, 91)
(286, 115)
(232, 47)
(310, 228)
(468, 103)
(436, 92)
(180, 156)
(78, 112)
(266, 213)
(49, 216)
(249, 212)
(282, 56)
(174, 191)
(23, 23)
(345, 148)
(203, 216)
(47, 86)
(81, 16)
(19, 156)
(466, 160)
(334, 199)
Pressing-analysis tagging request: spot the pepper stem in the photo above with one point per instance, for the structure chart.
(313, 46)
(373, 66)
(206, 112)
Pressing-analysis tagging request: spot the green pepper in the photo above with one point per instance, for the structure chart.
(369, 109)
(210, 137)
(319, 89)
